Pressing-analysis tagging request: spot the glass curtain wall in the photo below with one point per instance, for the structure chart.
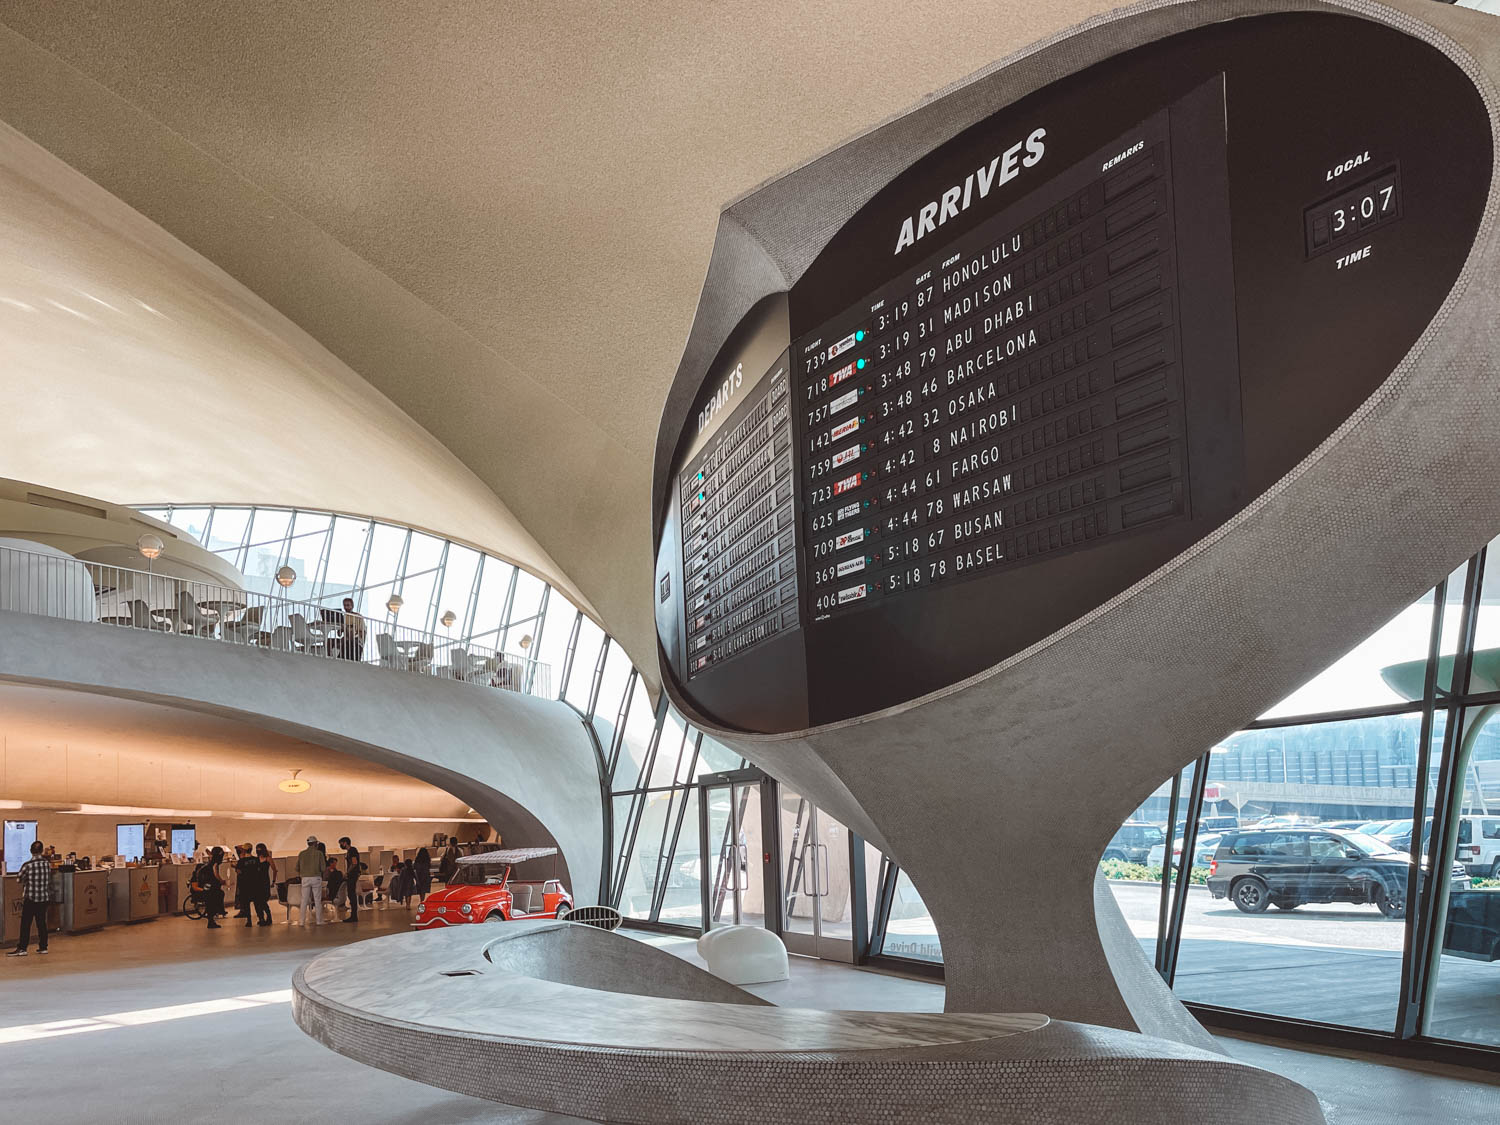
(446, 588)
(1344, 865)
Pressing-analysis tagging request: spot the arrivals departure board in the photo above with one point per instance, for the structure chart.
(739, 561)
(1007, 377)
(1014, 394)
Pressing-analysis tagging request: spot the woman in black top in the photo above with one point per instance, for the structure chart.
(210, 886)
(424, 874)
(259, 895)
(247, 875)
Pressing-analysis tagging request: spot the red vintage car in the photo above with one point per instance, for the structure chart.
(483, 891)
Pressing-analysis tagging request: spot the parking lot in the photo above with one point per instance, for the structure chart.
(1333, 963)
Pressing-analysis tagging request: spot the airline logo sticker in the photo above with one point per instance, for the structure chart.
(851, 566)
(847, 510)
(842, 374)
(841, 347)
(854, 593)
(853, 480)
(844, 456)
(844, 429)
(845, 400)
(849, 538)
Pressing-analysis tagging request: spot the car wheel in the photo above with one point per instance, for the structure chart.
(1251, 896)
(1392, 903)
(1112, 854)
(1281, 905)
(563, 910)
(1495, 868)
(494, 916)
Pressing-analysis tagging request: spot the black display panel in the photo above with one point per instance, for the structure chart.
(1076, 338)
(1019, 392)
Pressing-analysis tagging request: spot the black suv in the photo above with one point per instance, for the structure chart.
(1285, 867)
(1134, 841)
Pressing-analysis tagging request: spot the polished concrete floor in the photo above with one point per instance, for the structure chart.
(166, 1021)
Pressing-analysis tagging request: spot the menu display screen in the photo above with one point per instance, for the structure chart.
(1013, 394)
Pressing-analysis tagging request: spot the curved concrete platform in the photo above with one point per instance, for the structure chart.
(519, 761)
(574, 1020)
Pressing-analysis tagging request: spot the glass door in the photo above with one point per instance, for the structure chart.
(733, 843)
(816, 916)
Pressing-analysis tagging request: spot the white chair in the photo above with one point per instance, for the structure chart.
(246, 630)
(140, 616)
(390, 655)
(190, 618)
(301, 636)
(744, 954)
(293, 899)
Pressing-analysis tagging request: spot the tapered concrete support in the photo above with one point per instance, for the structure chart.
(998, 794)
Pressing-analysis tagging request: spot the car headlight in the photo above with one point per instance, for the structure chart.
(421, 906)
(466, 909)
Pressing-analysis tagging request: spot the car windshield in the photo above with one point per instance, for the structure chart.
(1394, 828)
(477, 874)
(1370, 845)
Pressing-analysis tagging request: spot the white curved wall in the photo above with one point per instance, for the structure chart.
(44, 580)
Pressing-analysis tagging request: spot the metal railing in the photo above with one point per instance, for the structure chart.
(64, 587)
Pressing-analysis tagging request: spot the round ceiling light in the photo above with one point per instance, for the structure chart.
(395, 603)
(151, 546)
(285, 577)
(294, 784)
(526, 641)
(448, 619)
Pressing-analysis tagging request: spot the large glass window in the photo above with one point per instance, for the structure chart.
(333, 557)
(1302, 911)
(910, 930)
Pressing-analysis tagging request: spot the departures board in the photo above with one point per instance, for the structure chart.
(1050, 355)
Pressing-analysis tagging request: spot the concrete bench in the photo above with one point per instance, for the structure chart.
(575, 1020)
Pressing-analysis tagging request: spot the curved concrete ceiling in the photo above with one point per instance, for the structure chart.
(499, 216)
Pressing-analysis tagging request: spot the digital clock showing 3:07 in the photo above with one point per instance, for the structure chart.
(1349, 214)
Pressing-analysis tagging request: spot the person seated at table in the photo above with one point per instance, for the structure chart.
(333, 879)
(352, 640)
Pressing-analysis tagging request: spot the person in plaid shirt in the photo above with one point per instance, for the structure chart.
(36, 892)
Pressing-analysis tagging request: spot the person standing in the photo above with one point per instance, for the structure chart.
(351, 876)
(36, 896)
(448, 866)
(260, 884)
(424, 874)
(246, 881)
(210, 886)
(353, 640)
(310, 870)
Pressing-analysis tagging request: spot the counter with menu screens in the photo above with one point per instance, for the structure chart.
(1051, 355)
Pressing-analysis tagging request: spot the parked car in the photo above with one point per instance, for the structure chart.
(1217, 824)
(1477, 846)
(1203, 851)
(1134, 841)
(1372, 827)
(482, 891)
(1286, 867)
(1473, 929)
(1343, 825)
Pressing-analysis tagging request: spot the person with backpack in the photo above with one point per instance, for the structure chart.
(208, 884)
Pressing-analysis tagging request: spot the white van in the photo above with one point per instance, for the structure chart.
(1479, 845)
